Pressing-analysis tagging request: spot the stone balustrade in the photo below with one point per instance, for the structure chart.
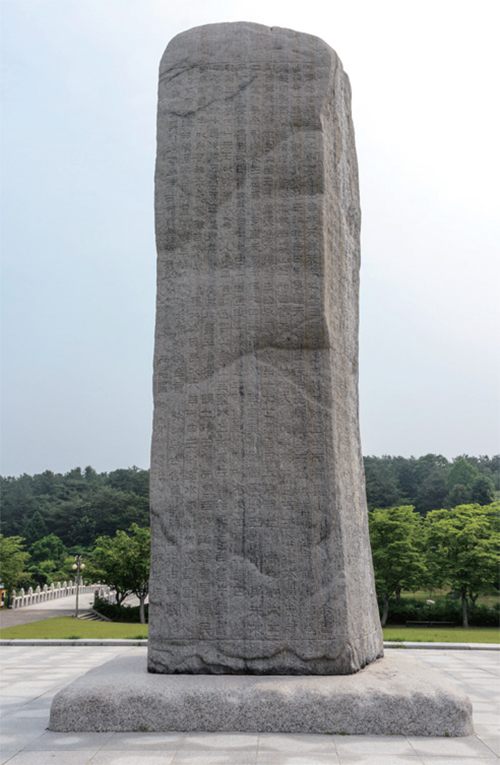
(52, 592)
(103, 592)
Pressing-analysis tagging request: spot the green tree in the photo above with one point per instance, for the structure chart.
(459, 494)
(430, 473)
(13, 559)
(405, 470)
(136, 551)
(85, 532)
(36, 528)
(46, 483)
(462, 550)
(18, 504)
(461, 472)
(397, 541)
(132, 479)
(123, 563)
(106, 565)
(111, 508)
(47, 558)
(48, 548)
(382, 487)
(483, 490)
(491, 467)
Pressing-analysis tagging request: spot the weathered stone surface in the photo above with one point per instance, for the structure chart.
(260, 552)
(396, 695)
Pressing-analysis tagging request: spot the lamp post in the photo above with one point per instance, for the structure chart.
(77, 566)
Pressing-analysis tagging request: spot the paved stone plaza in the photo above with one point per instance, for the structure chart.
(30, 676)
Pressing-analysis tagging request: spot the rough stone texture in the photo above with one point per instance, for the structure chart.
(260, 552)
(395, 695)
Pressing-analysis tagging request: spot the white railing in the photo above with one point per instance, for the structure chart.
(103, 592)
(52, 592)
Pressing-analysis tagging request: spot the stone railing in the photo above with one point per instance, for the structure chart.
(103, 592)
(52, 592)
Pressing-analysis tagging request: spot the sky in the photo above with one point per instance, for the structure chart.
(78, 253)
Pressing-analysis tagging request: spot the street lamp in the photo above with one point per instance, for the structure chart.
(77, 566)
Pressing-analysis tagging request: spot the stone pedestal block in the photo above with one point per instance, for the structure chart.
(395, 695)
(260, 552)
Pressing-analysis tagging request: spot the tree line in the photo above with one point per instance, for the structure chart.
(456, 548)
(77, 506)
(81, 505)
(431, 482)
(428, 525)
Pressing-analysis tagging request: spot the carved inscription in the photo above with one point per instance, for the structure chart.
(260, 553)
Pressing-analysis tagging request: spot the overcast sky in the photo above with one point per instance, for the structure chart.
(78, 113)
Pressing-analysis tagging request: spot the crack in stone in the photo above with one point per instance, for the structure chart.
(190, 113)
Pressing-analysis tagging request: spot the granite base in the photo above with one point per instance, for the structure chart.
(395, 695)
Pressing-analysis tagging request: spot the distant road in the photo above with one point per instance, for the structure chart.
(10, 617)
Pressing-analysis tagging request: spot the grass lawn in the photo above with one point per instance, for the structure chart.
(67, 628)
(443, 594)
(441, 634)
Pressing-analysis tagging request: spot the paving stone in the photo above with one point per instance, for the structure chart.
(379, 759)
(133, 753)
(294, 743)
(150, 741)
(304, 758)
(52, 758)
(53, 741)
(469, 746)
(373, 745)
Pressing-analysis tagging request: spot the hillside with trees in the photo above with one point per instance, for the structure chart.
(81, 505)
(431, 482)
(77, 507)
(433, 523)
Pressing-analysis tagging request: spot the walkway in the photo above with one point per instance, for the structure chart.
(31, 676)
(13, 617)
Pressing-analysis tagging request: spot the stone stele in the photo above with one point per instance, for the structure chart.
(262, 605)
(261, 558)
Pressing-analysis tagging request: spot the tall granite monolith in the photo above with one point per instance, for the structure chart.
(261, 559)
(260, 554)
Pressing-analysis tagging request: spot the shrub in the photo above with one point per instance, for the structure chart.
(119, 613)
(444, 610)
